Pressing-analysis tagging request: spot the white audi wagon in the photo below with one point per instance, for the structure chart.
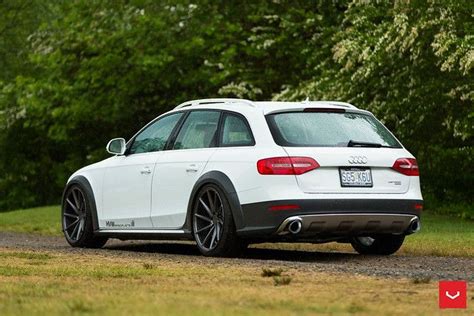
(230, 172)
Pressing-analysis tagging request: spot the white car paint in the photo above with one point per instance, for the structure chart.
(125, 192)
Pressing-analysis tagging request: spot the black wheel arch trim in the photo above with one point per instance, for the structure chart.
(85, 185)
(222, 181)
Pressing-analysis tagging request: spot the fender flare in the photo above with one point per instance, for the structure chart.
(86, 186)
(222, 181)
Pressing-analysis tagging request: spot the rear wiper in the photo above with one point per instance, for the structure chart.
(353, 143)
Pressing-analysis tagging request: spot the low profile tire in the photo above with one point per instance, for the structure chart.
(213, 224)
(378, 245)
(77, 219)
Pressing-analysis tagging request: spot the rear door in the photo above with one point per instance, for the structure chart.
(355, 151)
(178, 169)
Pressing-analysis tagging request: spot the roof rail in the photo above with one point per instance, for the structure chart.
(213, 101)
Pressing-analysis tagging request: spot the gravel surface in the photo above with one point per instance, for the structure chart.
(396, 266)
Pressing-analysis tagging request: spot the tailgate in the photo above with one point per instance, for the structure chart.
(376, 162)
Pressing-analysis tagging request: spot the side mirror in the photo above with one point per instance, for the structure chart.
(116, 146)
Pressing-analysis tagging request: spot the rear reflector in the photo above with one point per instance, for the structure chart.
(286, 165)
(418, 206)
(406, 166)
(284, 207)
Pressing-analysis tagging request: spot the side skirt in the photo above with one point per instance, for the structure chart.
(145, 234)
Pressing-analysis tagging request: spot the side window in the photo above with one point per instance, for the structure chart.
(236, 132)
(198, 131)
(155, 136)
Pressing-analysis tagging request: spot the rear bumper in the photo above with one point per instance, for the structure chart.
(350, 224)
(330, 217)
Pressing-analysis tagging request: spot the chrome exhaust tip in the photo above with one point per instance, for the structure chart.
(295, 226)
(414, 226)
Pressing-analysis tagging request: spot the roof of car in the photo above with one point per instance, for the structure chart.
(265, 106)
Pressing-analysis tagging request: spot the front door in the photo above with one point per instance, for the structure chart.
(128, 181)
(126, 195)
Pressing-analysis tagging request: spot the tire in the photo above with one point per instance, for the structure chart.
(378, 245)
(76, 218)
(213, 224)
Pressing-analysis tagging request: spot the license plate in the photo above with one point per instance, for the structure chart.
(355, 177)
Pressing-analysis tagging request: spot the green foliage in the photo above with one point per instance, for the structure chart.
(411, 63)
(90, 71)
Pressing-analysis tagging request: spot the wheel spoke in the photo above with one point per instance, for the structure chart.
(76, 200)
(208, 235)
(213, 238)
(74, 231)
(206, 207)
(204, 228)
(71, 215)
(81, 227)
(72, 224)
(73, 206)
(203, 217)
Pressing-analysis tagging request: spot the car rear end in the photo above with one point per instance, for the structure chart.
(348, 176)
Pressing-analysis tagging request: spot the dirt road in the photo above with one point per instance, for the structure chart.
(446, 268)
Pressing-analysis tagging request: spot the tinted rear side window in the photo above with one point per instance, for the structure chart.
(327, 129)
(236, 132)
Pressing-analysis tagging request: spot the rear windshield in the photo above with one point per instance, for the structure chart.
(328, 129)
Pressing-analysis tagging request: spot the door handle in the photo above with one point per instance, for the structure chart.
(145, 170)
(192, 168)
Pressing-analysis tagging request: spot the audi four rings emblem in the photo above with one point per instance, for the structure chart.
(357, 160)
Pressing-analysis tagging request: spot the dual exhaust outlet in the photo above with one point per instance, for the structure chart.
(295, 226)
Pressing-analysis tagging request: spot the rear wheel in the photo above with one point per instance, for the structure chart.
(213, 224)
(378, 245)
(77, 219)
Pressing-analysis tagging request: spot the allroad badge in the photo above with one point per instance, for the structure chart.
(359, 160)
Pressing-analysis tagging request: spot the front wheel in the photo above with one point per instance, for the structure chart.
(213, 224)
(77, 219)
(378, 245)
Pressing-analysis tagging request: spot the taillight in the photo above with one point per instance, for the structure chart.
(286, 165)
(406, 166)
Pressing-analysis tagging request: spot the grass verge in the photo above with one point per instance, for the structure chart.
(440, 235)
(41, 220)
(46, 283)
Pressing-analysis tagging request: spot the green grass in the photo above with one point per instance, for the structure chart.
(42, 220)
(93, 284)
(443, 236)
(58, 283)
(440, 234)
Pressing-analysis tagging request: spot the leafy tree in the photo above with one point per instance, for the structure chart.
(411, 63)
(82, 72)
